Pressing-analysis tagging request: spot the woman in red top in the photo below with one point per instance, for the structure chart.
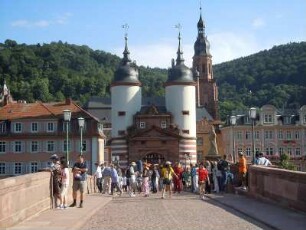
(203, 177)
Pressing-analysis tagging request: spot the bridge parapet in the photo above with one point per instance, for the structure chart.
(286, 187)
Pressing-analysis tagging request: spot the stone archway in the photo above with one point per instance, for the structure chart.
(154, 158)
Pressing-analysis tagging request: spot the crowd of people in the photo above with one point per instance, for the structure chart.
(145, 178)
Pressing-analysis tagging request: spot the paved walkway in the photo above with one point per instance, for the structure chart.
(184, 211)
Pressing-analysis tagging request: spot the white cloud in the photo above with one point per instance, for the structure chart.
(20, 23)
(258, 23)
(63, 19)
(41, 23)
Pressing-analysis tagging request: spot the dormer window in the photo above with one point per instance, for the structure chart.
(287, 120)
(268, 118)
(121, 113)
(142, 125)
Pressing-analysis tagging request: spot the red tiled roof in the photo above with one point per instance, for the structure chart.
(13, 111)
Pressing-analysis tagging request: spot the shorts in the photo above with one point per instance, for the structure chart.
(79, 185)
(166, 181)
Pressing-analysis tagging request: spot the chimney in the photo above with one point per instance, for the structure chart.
(68, 101)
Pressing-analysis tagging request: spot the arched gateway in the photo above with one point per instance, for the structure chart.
(154, 158)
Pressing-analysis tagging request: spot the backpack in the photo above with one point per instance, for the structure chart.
(220, 165)
(128, 173)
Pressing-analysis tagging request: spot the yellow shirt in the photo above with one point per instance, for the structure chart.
(167, 172)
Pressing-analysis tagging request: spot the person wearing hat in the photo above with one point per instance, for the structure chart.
(167, 174)
(131, 179)
(242, 169)
(145, 179)
(55, 168)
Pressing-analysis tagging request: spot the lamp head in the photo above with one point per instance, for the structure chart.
(67, 114)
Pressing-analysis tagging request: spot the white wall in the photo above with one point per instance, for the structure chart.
(128, 99)
(182, 98)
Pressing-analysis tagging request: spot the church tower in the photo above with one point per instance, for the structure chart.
(180, 101)
(126, 101)
(206, 89)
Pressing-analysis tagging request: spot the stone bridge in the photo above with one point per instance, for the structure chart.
(275, 200)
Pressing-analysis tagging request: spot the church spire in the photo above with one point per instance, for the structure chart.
(126, 52)
(179, 59)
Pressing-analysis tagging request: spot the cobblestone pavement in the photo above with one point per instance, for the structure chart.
(182, 211)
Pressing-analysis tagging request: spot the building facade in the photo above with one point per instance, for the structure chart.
(31, 132)
(276, 131)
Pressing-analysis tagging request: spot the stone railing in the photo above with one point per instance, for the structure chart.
(286, 187)
(26, 195)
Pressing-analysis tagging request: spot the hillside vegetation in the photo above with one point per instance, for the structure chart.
(51, 72)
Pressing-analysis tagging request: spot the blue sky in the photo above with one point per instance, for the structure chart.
(234, 28)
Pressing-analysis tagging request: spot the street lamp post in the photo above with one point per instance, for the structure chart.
(252, 115)
(67, 118)
(81, 125)
(233, 121)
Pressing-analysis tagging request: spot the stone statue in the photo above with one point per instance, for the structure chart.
(213, 150)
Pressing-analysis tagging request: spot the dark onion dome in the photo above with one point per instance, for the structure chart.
(202, 45)
(127, 72)
(179, 73)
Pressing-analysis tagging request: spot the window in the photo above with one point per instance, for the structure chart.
(142, 125)
(268, 134)
(289, 150)
(298, 152)
(2, 146)
(297, 135)
(247, 120)
(17, 147)
(240, 150)
(34, 146)
(288, 135)
(247, 135)
(199, 141)
(280, 135)
(2, 168)
(287, 120)
(304, 119)
(65, 124)
(50, 127)
(34, 127)
(257, 135)
(185, 112)
(281, 150)
(185, 131)
(18, 128)
(163, 124)
(2, 127)
(268, 118)
(65, 146)
(239, 135)
(34, 167)
(50, 146)
(269, 151)
(121, 113)
(18, 168)
(257, 150)
(121, 132)
(84, 146)
(248, 151)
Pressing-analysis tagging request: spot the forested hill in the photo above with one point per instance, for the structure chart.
(51, 72)
(276, 76)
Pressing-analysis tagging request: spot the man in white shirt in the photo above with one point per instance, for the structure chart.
(98, 176)
(263, 161)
